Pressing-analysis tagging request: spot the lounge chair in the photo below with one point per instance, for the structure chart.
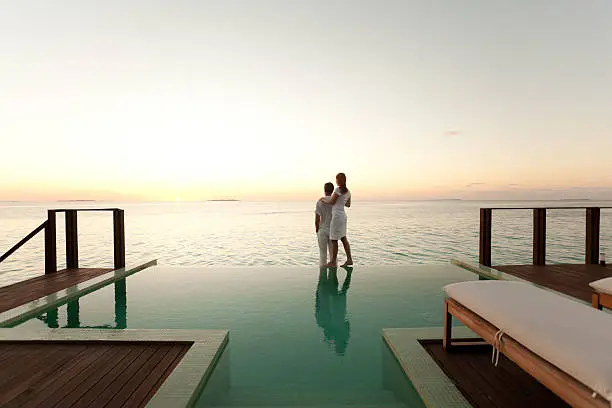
(565, 345)
(602, 293)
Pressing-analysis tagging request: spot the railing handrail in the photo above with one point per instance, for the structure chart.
(72, 240)
(23, 241)
(547, 208)
(83, 209)
(592, 221)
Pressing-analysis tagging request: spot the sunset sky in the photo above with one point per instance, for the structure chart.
(159, 100)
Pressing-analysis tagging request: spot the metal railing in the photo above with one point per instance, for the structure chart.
(72, 239)
(593, 215)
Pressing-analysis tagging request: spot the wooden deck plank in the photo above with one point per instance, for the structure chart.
(22, 362)
(140, 376)
(22, 388)
(94, 373)
(485, 385)
(92, 394)
(570, 279)
(86, 373)
(124, 376)
(20, 293)
(50, 395)
(156, 377)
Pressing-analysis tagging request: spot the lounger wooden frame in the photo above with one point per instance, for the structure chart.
(566, 387)
(601, 300)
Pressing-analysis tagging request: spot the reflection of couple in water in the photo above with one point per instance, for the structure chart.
(330, 308)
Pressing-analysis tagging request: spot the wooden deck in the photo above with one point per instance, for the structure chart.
(485, 385)
(32, 289)
(85, 374)
(569, 279)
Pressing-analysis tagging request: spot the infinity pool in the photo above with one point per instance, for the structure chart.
(298, 336)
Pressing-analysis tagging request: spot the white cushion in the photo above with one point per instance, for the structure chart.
(602, 285)
(574, 337)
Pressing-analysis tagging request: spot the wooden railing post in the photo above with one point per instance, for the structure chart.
(592, 235)
(539, 236)
(50, 244)
(72, 240)
(485, 236)
(119, 238)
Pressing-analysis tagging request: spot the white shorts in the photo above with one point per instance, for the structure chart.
(337, 229)
(324, 246)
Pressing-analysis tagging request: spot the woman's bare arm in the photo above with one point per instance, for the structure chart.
(348, 202)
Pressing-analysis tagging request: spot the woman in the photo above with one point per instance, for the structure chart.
(337, 231)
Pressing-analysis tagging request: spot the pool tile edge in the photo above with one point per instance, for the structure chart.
(433, 386)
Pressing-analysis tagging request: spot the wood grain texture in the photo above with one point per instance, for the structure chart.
(572, 280)
(23, 292)
(85, 374)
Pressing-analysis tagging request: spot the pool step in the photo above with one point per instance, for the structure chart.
(264, 397)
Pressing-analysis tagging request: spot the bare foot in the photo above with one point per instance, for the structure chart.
(332, 265)
(348, 263)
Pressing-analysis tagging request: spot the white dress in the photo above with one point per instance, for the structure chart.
(337, 229)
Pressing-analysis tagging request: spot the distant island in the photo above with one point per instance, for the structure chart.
(220, 199)
(76, 201)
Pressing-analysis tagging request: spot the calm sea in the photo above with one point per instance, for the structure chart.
(282, 233)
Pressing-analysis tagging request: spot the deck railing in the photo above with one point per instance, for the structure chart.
(592, 220)
(72, 238)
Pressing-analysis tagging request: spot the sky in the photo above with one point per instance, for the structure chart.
(195, 100)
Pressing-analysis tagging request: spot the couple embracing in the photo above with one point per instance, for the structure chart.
(330, 222)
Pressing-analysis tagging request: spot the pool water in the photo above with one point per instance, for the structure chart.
(299, 336)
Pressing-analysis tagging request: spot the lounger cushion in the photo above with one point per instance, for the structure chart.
(574, 337)
(602, 285)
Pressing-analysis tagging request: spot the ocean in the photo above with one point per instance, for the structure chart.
(241, 233)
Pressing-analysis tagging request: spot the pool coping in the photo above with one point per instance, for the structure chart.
(19, 314)
(434, 387)
(183, 386)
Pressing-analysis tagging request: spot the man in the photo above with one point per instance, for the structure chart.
(323, 215)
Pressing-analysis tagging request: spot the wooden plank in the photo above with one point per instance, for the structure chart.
(93, 393)
(140, 376)
(89, 377)
(572, 280)
(157, 376)
(121, 380)
(22, 362)
(487, 386)
(85, 374)
(52, 394)
(22, 388)
(23, 292)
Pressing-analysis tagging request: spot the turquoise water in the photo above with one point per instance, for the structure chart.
(298, 336)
